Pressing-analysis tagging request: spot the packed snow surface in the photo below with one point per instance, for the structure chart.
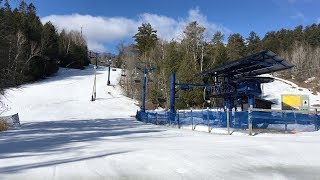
(66, 136)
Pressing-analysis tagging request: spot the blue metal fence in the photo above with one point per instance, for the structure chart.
(213, 118)
(286, 120)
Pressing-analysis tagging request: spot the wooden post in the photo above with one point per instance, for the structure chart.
(228, 121)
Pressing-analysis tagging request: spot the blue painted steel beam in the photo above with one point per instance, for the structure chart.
(172, 113)
(251, 101)
(172, 92)
(144, 86)
(192, 85)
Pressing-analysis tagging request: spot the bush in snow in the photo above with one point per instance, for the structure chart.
(3, 125)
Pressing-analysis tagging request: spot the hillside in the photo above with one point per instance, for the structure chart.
(273, 91)
(66, 136)
(67, 96)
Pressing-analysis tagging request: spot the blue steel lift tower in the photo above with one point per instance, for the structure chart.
(237, 79)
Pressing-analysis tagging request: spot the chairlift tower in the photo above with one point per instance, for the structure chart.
(94, 91)
(109, 69)
(239, 79)
(145, 71)
(97, 60)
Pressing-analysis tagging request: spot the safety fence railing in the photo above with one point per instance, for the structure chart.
(258, 120)
(285, 120)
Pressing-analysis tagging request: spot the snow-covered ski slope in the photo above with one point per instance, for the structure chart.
(67, 96)
(65, 136)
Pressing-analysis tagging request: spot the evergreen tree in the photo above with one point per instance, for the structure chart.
(217, 38)
(50, 48)
(236, 47)
(220, 54)
(253, 43)
(34, 25)
(145, 39)
(28, 49)
(285, 38)
(23, 7)
(217, 52)
(7, 38)
(194, 42)
(300, 46)
(297, 33)
(4, 32)
(192, 61)
(187, 74)
(312, 35)
(49, 41)
(173, 58)
(271, 42)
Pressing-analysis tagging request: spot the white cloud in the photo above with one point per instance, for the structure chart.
(97, 46)
(100, 30)
(318, 22)
(167, 28)
(211, 28)
(299, 16)
(97, 30)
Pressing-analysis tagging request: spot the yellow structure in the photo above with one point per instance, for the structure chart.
(294, 102)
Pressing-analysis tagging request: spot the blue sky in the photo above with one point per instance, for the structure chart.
(106, 23)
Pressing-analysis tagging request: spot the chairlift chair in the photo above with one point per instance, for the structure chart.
(136, 77)
(207, 93)
(186, 87)
(162, 100)
(137, 80)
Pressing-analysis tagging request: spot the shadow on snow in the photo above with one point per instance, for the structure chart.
(56, 137)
